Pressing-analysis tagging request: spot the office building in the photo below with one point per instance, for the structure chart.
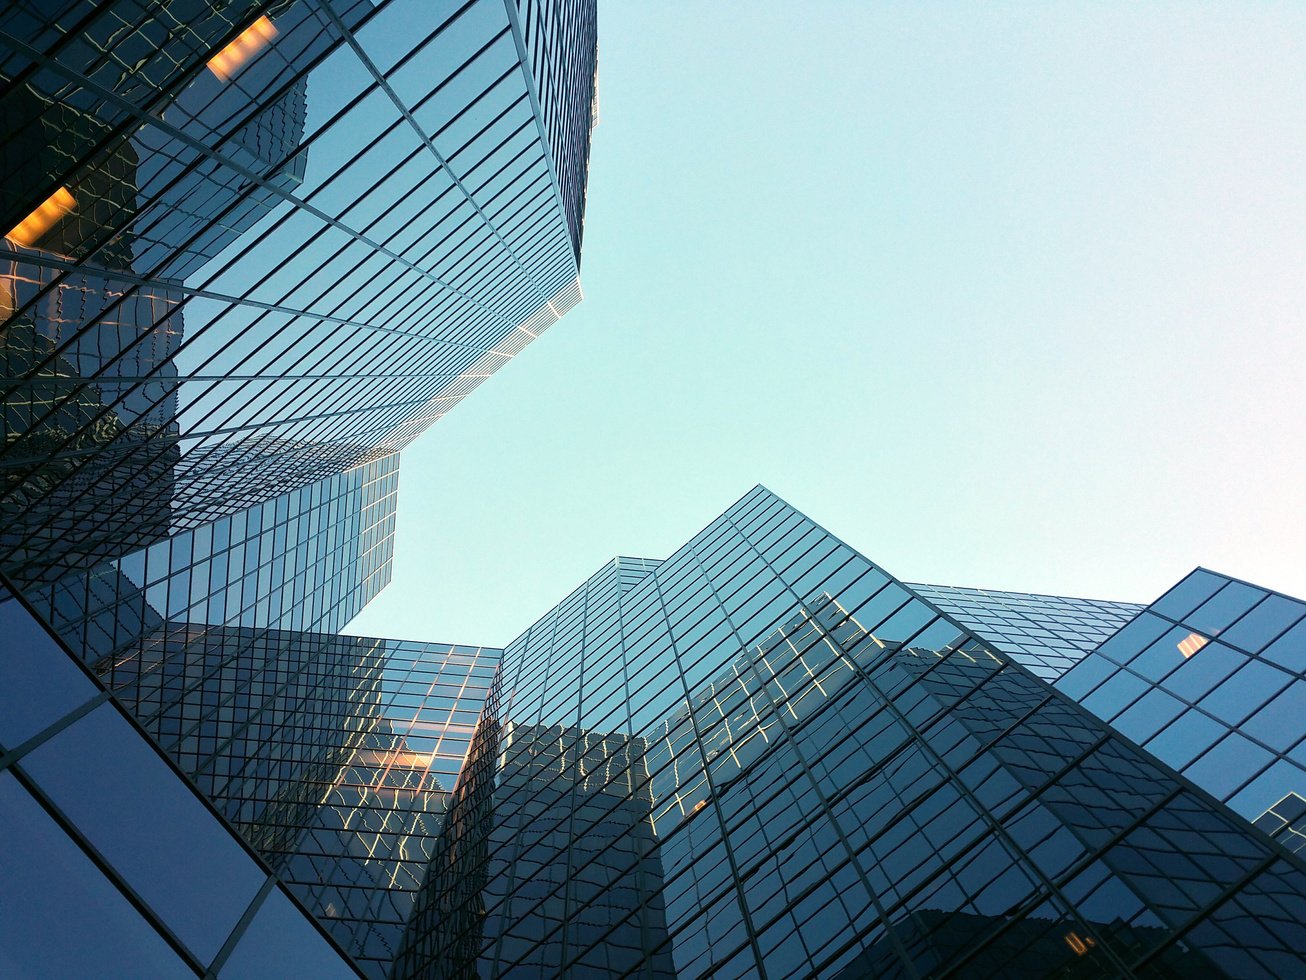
(115, 865)
(332, 759)
(1231, 721)
(334, 756)
(1211, 679)
(307, 560)
(258, 244)
(762, 756)
(250, 251)
(834, 779)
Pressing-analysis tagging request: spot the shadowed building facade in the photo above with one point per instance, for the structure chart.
(1211, 678)
(251, 249)
(762, 756)
(357, 209)
(334, 756)
(569, 817)
(115, 864)
(839, 780)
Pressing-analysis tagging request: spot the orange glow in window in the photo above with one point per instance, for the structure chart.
(251, 41)
(1080, 944)
(1191, 643)
(36, 224)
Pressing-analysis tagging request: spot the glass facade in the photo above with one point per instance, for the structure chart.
(114, 865)
(251, 249)
(333, 755)
(761, 756)
(1211, 679)
(557, 40)
(1046, 633)
(764, 756)
(307, 560)
(254, 244)
(1286, 822)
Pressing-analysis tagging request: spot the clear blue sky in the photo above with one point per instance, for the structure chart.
(1005, 295)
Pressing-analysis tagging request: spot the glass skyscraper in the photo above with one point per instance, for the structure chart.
(1211, 679)
(251, 249)
(1232, 720)
(1045, 633)
(255, 247)
(115, 865)
(334, 756)
(764, 756)
(761, 756)
(252, 245)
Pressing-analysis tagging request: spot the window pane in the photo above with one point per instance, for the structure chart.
(1264, 623)
(61, 916)
(281, 942)
(1224, 607)
(144, 819)
(1229, 765)
(39, 683)
(1189, 594)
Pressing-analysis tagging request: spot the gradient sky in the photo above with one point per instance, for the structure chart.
(1004, 295)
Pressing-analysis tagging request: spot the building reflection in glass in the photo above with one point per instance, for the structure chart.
(253, 245)
(252, 249)
(838, 780)
(92, 279)
(334, 756)
(1286, 822)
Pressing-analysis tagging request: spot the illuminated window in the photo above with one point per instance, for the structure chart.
(250, 42)
(1080, 944)
(30, 229)
(1191, 643)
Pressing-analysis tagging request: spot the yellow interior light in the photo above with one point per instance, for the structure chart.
(1080, 944)
(30, 229)
(250, 42)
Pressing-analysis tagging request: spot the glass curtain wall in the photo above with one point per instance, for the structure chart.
(767, 757)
